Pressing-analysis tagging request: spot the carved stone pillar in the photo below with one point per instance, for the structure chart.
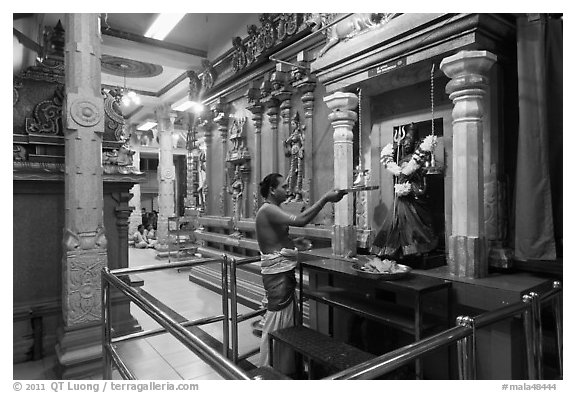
(285, 107)
(343, 118)
(257, 109)
(221, 119)
(206, 129)
(166, 174)
(84, 239)
(307, 87)
(273, 110)
(136, 201)
(282, 93)
(467, 243)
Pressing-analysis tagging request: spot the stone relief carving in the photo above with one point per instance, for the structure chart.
(84, 241)
(114, 121)
(273, 29)
(122, 156)
(239, 56)
(83, 274)
(20, 153)
(47, 116)
(208, 75)
(294, 150)
(346, 28)
(195, 84)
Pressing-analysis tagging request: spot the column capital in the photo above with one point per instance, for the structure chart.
(340, 101)
(467, 69)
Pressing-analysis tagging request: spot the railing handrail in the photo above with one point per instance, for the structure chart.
(394, 359)
(163, 266)
(221, 365)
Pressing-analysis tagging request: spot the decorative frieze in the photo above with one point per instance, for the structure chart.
(262, 40)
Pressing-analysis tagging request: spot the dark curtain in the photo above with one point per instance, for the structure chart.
(538, 196)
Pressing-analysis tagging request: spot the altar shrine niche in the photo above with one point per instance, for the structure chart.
(407, 230)
(237, 160)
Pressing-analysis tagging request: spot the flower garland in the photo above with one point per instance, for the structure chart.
(418, 157)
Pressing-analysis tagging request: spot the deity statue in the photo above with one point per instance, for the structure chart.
(294, 149)
(237, 191)
(407, 229)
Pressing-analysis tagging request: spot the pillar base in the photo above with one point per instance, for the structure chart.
(344, 241)
(79, 352)
(467, 256)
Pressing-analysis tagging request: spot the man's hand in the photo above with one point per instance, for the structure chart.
(334, 195)
(302, 244)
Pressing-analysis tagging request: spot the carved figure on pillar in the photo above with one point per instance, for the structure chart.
(407, 230)
(236, 189)
(294, 150)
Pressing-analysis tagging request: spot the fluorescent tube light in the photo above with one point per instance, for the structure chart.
(163, 24)
(146, 126)
(185, 105)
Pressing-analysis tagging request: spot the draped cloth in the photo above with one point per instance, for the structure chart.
(534, 201)
(278, 277)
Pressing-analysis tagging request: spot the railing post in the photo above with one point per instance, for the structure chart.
(234, 309)
(529, 333)
(225, 321)
(466, 350)
(106, 328)
(557, 309)
(537, 319)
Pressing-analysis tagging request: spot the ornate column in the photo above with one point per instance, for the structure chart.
(166, 174)
(306, 84)
(221, 119)
(343, 118)
(467, 243)
(84, 239)
(272, 112)
(136, 201)
(282, 94)
(256, 108)
(206, 128)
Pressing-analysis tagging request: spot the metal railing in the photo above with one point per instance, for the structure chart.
(464, 336)
(225, 364)
(219, 362)
(235, 318)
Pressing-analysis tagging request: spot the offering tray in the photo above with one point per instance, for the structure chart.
(401, 273)
(361, 188)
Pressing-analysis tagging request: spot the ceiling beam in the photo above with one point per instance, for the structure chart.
(153, 42)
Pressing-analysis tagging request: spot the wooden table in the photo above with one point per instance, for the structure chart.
(412, 288)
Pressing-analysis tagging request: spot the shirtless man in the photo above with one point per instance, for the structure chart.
(279, 259)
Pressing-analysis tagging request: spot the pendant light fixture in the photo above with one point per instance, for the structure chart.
(129, 97)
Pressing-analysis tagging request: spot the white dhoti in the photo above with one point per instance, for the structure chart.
(279, 282)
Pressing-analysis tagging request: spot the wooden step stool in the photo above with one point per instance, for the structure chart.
(317, 347)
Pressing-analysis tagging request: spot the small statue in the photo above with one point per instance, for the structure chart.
(407, 230)
(236, 189)
(121, 157)
(294, 149)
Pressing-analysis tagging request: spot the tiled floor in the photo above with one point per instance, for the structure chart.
(162, 357)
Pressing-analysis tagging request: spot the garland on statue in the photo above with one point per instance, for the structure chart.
(418, 158)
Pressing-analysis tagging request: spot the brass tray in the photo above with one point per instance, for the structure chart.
(382, 276)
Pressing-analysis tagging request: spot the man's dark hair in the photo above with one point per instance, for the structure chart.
(270, 181)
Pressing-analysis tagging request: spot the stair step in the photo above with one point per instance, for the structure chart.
(323, 349)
